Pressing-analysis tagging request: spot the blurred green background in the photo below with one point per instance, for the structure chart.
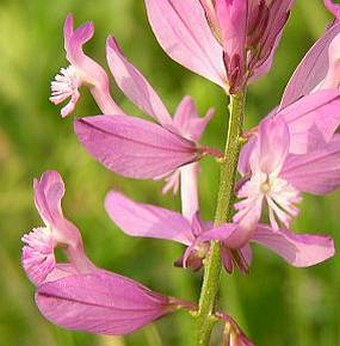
(275, 304)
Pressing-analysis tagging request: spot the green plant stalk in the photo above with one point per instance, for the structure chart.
(205, 319)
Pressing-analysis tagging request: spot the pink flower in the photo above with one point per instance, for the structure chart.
(78, 295)
(138, 148)
(82, 70)
(228, 42)
(38, 253)
(144, 220)
(277, 177)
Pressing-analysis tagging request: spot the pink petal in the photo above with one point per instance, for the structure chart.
(68, 30)
(189, 175)
(273, 144)
(101, 302)
(49, 191)
(61, 270)
(172, 182)
(266, 65)
(210, 13)
(232, 17)
(75, 39)
(183, 32)
(317, 172)
(300, 250)
(187, 119)
(311, 71)
(145, 220)
(332, 79)
(134, 147)
(265, 31)
(244, 160)
(319, 111)
(248, 215)
(220, 233)
(134, 85)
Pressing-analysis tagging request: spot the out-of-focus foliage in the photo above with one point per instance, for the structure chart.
(276, 304)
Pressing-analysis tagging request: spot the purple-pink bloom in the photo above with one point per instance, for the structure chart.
(227, 42)
(276, 178)
(138, 148)
(38, 253)
(81, 71)
(144, 220)
(77, 294)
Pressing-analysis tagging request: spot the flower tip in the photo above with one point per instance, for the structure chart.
(69, 20)
(111, 199)
(112, 43)
(68, 26)
(82, 34)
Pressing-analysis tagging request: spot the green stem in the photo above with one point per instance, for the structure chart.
(205, 319)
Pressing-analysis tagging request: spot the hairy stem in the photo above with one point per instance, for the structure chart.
(224, 211)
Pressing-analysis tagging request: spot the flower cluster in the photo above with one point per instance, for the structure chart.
(294, 150)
